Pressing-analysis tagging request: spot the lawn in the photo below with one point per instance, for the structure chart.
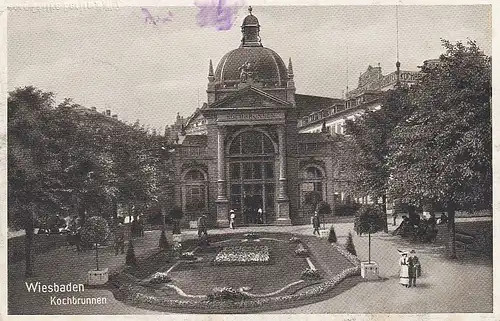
(200, 278)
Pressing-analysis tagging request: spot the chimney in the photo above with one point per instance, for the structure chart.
(115, 116)
(108, 112)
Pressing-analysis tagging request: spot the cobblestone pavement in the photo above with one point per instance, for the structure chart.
(446, 285)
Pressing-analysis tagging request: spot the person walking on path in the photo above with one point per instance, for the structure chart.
(394, 217)
(232, 217)
(119, 241)
(202, 225)
(414, 268)
(404, 277)
(315, 223)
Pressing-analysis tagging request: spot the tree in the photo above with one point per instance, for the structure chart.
(365, 149)
(95, 231)
(370, 219)
(442, 153)
(34, 183)
(349, 245)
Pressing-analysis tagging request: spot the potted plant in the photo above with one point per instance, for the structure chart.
(96, 231)
(369, 219)
(323, 209)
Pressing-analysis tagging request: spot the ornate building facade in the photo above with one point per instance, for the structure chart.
(242, 150)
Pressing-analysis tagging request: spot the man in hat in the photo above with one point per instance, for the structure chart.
(413, 268)
(404, 277)
(202, 225)
(315, 223)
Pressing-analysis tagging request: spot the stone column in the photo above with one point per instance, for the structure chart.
(283, 217)
(222, 201)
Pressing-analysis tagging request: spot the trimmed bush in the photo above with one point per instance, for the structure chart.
(163, 243)
(332, 237)
(349, 245)
(130, 259)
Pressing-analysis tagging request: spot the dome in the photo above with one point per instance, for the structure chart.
(251, 59)
(267, 66)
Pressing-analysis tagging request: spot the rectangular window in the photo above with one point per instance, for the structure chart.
(234, 169)
(257, 171)
(247, 170)
(269, 170)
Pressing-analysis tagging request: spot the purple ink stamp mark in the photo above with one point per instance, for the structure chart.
(216, 13)
(150, 19)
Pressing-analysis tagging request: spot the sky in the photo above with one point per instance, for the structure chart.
(116, 59)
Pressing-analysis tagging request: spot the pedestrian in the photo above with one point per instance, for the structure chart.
(315, 223)
(394, 217)
(119, 239)
(202, 225)
(414, 268)
(232, 217)
(259, 216)
(404, 277)
(141, 225)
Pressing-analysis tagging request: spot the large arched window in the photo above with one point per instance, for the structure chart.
(252, 176)
(195, 191)
(312, 186)
(251, 142)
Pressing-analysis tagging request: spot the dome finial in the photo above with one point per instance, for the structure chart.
(250, 9)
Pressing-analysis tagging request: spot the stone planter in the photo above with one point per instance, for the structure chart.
(193, 224)
(177, 238)
(98, 277)
(369, 271)
(324, 233)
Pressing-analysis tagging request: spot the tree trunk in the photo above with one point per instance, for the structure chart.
(369, 247)
(81, 213)
(97, 256)
(115, 209)
(384, 209)
(28, 243)
(451, 234)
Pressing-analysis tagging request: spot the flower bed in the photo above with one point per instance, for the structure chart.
(251, 236)
(243, 255)
(230, 300)
(188, 256)
(301, 251)
(310, 274)
(226, 294)
(159, 278)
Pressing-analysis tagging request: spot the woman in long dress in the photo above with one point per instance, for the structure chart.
(404, 276)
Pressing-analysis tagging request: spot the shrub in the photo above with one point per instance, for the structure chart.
(332, 237)
(226, 294)
(130, 259)
(163, 243)
(348, 209)
(301, 250)
(310, 274)
(349, 245)
(324, 208)
(159, 278)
